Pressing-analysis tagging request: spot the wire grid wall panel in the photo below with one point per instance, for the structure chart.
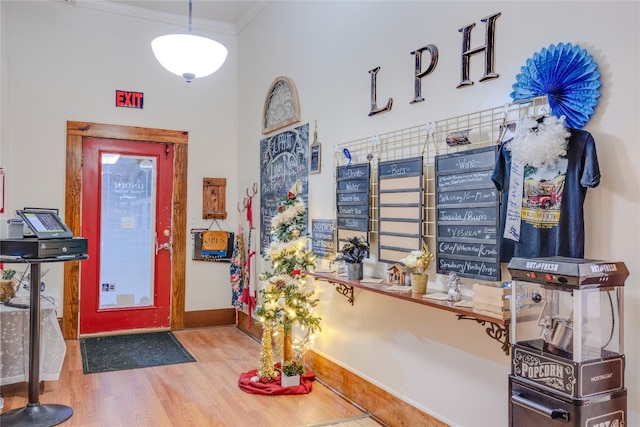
(481, 128)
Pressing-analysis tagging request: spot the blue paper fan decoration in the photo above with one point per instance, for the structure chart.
(568, 76)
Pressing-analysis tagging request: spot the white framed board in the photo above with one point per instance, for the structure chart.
(400, 207)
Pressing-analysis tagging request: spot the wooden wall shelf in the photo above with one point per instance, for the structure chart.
(497, 329)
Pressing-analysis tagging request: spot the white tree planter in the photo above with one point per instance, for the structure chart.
(291, 381)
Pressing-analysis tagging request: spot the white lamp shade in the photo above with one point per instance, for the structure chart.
(189, 56)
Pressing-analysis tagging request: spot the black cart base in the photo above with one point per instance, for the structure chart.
(38, 416)
(531, 406)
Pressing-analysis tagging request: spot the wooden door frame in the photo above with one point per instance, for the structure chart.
(76, 132)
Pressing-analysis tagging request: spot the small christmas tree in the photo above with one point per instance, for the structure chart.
(287, 296)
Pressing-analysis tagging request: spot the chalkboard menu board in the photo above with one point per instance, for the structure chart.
(323, 238)
(352, 200)
(284, 159)
(399, 208)
(467, 206)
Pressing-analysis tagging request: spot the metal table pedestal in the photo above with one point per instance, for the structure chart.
(36, 414)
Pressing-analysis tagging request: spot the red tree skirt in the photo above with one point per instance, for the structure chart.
(273, 387)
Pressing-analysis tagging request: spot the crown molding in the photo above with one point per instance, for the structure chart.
(249, 15)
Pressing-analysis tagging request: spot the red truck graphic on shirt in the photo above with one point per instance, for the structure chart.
(545, 196)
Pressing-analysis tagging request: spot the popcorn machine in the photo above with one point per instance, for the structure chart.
(567, 363)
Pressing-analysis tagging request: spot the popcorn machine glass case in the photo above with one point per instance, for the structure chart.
(568, 307)
(567, 340)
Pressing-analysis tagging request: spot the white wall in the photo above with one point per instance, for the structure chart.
(446, 367)
(63, 62)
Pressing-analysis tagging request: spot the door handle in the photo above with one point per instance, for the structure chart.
(159, 247)
(166, 245)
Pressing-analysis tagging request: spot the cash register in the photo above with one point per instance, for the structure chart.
(46, 236)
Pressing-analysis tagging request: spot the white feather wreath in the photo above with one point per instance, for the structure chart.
(539, 144)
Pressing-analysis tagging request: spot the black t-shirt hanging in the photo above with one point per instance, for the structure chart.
(552, 216)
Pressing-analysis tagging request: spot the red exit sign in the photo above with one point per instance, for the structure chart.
(128, 99)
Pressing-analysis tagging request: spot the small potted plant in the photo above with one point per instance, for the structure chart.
(417, 262)
(353, 253)
(290, 373)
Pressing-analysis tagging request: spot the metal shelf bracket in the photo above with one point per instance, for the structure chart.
(498, 332)
(345, 290)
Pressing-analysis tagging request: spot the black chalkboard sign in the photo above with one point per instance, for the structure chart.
(323, 238)
(469, 267)
(353, 171)
(315, 158)
(352, 197)
(358, 224)
(482, 232)
(478, 250)
(352, 210)
(469, 160)
(479, 196)
(400, 168)
(359, 184)
(361, 198)
(467, 180)
(284, 159)
(467, 214)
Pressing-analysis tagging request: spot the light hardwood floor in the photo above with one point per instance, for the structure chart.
(204, 393)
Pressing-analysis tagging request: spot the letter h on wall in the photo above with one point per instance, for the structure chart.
(488, 49)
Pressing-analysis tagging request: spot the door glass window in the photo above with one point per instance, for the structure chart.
(127, 233)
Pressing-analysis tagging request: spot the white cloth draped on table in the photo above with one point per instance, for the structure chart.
(14, 344)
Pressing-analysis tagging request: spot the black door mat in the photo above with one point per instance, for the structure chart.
(121, 352)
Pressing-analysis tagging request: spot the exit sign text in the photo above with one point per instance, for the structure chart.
(129, 99)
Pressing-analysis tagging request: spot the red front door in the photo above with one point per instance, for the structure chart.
(126, 217)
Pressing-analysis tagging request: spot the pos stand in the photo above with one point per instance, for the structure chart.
(35, 414)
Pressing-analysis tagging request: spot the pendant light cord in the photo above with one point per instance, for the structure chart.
(189, 28)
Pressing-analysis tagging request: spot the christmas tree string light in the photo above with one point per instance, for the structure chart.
(286, 295)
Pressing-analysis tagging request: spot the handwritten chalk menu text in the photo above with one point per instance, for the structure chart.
(399, 208)
(352, 201)
(467, 219)
(323, 238)
(284, 159)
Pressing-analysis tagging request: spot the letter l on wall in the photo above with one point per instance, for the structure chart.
(374, 106)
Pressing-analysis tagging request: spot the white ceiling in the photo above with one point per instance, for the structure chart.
(228, 17)
(231, 12)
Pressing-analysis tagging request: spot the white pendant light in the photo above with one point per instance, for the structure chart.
(187, 55)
